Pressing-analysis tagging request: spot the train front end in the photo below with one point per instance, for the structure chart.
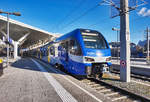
(96, 54)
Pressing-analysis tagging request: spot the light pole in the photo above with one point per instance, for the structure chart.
(148, 45)
(9, 13)
(115, 29)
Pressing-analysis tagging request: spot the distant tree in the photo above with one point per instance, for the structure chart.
(139, 49)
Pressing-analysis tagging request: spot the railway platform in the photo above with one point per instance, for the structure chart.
(135, 63)
(137, 67)
(27, 80)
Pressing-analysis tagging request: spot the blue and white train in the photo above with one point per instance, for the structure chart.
(82, 52)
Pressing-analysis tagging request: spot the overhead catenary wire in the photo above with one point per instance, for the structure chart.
(105, 19)
(86, 13)
(71, 12)
(96, 23)
(56, 26)
(82, 15)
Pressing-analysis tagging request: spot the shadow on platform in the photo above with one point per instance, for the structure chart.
(28, 64)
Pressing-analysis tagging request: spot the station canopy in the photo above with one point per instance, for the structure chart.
(24, 34)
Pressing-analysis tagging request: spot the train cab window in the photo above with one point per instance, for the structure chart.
(94, 41)
(74, 48)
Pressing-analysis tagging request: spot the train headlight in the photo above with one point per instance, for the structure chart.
(108, 59)
(87, 59)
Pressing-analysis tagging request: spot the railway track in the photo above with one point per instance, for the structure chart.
(113, 93)
(136, 76)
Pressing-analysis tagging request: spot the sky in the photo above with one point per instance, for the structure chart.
(63, 16)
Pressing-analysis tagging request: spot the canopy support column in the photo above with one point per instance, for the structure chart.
(15, 49)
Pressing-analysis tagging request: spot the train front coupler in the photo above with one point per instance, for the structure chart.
(97, 70)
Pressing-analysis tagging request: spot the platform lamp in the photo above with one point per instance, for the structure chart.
(115, 29)
(9, 13)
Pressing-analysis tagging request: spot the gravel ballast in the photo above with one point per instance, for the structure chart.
(133, 86)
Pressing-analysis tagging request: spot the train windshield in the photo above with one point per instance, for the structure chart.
(94, 41)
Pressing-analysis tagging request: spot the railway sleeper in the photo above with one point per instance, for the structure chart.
(119, 98)
(111, 94)
(95, 85)
(91, 83)
(104, 90)
(99, 88)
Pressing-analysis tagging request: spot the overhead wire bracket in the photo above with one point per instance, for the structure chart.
(111, 3)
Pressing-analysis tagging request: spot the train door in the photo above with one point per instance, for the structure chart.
(56, 50)
(75, 56)
(66, 48)
(48, 52)
(64, 54)
(52, 54)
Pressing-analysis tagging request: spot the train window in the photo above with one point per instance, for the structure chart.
(56, 51)
(52, 51)
(94, 41)
(46, 52)
(62, 46)
(71, 45)
(74, 48)
(66, 45)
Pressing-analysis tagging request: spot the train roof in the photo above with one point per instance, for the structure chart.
(63, 37)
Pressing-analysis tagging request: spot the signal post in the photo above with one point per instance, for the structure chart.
(124, 10)
(124, 42)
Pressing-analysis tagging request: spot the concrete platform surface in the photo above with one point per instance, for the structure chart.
(27, 81)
